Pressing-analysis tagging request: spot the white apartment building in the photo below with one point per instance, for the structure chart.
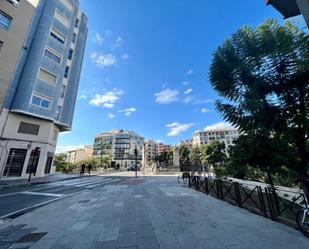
(225, 135)
(120, 144)
(150, 151)
(80, 154)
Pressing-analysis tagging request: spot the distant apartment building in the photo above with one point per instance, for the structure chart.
(80, 154)
(41, 52)
(225, 135)
(161, 147)
(150, 151)
(187, 143)
(120, 145)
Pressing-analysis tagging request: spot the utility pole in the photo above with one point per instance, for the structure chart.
(34, 153)
(135, 153)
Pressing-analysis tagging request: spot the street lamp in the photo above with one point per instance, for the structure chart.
(135, 153)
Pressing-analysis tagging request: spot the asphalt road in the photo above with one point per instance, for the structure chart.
(19, 201)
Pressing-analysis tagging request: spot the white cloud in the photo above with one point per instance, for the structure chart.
(103, 60)
(205, 110)
(188, 99)
(124, 56)
(166, 96)
(189, 72)
(185, 83)
(118, 42)
(128, 111)
(107, 99)
(188, 91)
(110, 115)
(83, 96)
(97, 38)
(219, 126)
(177, 128)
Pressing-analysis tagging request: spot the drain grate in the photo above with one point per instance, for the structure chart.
(31, 237)
(83, 201)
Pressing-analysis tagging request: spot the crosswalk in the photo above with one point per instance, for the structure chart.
(89, 184)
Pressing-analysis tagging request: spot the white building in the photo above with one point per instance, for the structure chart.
(225, 135)
(150, 150)
(120, 145)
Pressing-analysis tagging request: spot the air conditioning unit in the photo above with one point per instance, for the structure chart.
(14, 2)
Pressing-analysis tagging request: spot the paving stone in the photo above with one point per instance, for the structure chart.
(109, 234)
(148, 243)
(145, 231)
(31, 237)
(44, 244)
(4, 244)
(105, 244)
(4, 232)
(126, 239)
(21, 246)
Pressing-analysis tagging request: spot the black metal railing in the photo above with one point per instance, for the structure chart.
(257, 199)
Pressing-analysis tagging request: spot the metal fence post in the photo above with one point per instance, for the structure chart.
(206, 185)
(219, 189)
(261, 200)
(269, 202)
(237, 193)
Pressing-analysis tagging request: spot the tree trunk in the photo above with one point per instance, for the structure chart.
(270, 180)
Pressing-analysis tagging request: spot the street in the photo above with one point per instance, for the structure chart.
(19, 201)
(145, 213)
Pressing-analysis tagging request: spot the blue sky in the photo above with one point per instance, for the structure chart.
(146, 65)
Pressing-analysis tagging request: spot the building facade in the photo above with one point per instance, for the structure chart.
(39, 91)
(161, 147)
(80, 154)
(120, 145)
(225, 135)
(150, 151)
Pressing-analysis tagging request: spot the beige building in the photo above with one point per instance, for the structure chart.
(80, 154)
(16, 18)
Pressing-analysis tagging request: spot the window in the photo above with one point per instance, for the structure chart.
(15, 162)
(74, 38)
(57, 35)
(27, 128)
(76, 23)
(52, 55)
(61, 18)
(33, 163)
(58, 111)
(1, 45)
(40, 101)
(67, 4)
(14, 2)
(66, 72)
(5, 20)
(47, 76)
(49, 161)
(70, 54)
(62, 91)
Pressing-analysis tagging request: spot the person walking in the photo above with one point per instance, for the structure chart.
(82, 172)
(89, 168)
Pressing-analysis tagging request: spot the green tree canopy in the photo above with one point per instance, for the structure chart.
(263, 74)
(196, 156)
(184, 156)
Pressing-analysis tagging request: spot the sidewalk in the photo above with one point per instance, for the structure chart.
(146, 213)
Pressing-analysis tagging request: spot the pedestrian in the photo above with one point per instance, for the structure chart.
(82, 172)
(89, 168)
(105, 166)
(117, 166)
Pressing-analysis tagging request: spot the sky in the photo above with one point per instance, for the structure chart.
(146, 66)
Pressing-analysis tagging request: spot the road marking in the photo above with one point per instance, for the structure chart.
(96, 185)
(40, 193)
(87, 183)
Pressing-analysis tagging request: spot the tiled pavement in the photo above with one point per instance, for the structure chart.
(149, 213)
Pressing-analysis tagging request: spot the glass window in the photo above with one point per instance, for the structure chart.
(61, 18)
(40, 101)
(67, 4)
(76, 23)
(14, 2)
(15, 162)
(47, 76)
(58, 111)
(5, 20)
(62, 91)
(66, 72)
(1, 45)
(57, 35)
(52, 55)
(74, 38)
(70, 54)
